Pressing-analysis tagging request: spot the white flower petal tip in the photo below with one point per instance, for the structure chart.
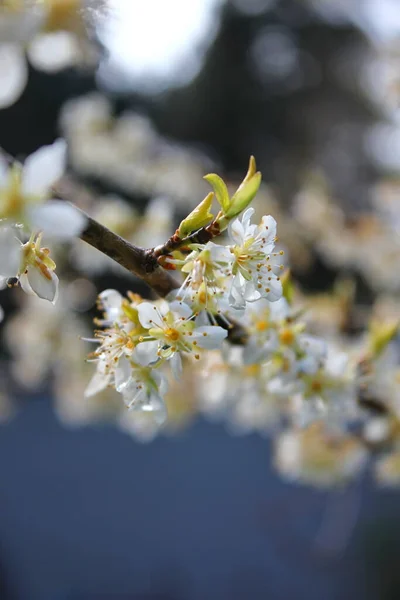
(210, 337)
(54, 51)
(10, 253)
(58, 220)
(97, 384)
(151, 315)
(13, 74)
(43, 168)
(34, 282)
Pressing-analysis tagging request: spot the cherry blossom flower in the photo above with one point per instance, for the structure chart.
(207, 268)
(255, 266)
(29, 263)
(25, 194)
(172, 330)
(142, 388)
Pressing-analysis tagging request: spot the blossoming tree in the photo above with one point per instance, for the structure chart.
(225, 331)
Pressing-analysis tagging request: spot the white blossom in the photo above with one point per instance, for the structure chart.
(255, 266)
(29, 263)
(26, 191)
(172, 330)
(319, 457)
(52, 33)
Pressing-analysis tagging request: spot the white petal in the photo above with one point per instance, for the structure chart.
(156, 405)
(181, 309)
(10, 253)
(176, 365)
(210, 337)
(57, 219)
(25, 285)
(4, 172)
(43, 168)
(251, 293)
(248, 213)
(161, 382)
(150, 315)
(279, 309)
(13, 74)
(19, 24)
(42, 286)
(336, 363)
(308, 365)
(236, 294)
(268, 227)
(145, 353)
(275, 289)
(236, 232)
(97, 384)
(122, 374)
(111, 301)
(134, 394)
(313, 346)
(54, 51)
(220, 254)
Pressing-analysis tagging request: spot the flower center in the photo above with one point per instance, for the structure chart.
(316, 386)
(252, 370)
(286, 337)
(262, 325)
(63, 14)
(172, 334)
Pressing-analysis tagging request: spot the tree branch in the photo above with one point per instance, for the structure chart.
(138, 261)
(201, 236)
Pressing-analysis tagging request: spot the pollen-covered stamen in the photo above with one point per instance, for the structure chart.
(172, 334)
(175, 331)
(114, 343)
(287, 336)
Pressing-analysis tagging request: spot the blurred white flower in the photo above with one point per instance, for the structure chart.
(318, 456)
(142, 389)
(52, 32)
(26, 190)
(387, 469)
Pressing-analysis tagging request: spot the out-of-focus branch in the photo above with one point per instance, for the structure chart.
(138, 261)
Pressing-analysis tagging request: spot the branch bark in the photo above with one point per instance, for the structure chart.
(138, 261)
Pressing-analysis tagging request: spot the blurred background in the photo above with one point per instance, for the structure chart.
(91, 506)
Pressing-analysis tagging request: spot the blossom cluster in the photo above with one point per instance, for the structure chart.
(229, 340)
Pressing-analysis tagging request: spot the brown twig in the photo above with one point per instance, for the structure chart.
(201, 236)
(137, 260)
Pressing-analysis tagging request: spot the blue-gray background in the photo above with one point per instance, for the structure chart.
(91, 514)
